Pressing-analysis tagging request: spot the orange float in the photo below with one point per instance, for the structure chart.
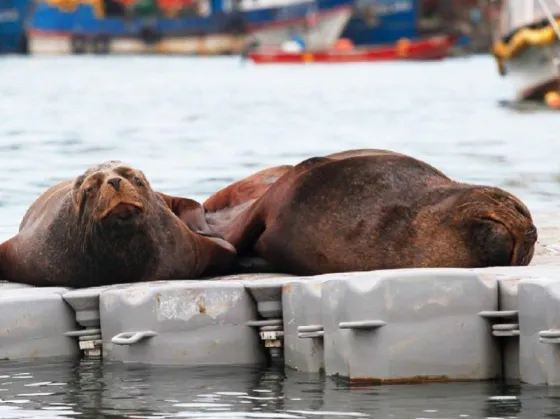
(552, 99)
(343, 44)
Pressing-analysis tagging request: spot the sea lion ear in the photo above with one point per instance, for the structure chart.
(492, 242)
(144, 178)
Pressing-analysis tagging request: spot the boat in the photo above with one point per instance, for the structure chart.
(180, 26)
(381, 22)
(12, 26)
(431, 48)
(527, 49)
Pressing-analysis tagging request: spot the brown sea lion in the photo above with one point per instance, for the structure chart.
(364, 210)
(361, 152)
(227, 203)
(240, 194)
(108, 226)
(245, 190)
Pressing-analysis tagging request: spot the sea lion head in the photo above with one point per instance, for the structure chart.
(500, 229)
(112, 194)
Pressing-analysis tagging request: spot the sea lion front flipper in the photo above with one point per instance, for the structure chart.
(218, 257)
(244, 190)
(190, 212)
(244, 230)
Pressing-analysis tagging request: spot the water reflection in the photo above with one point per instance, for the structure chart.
(62, 388)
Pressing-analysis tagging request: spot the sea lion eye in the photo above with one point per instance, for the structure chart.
(137, 180)
(79, 182)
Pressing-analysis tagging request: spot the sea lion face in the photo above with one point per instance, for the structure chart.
(112, 194)
(500, 228)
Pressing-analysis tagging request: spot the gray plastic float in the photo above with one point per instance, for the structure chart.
(180, 322)
(34, 322)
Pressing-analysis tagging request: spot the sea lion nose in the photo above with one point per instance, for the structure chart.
(531, 233)
(115, 182)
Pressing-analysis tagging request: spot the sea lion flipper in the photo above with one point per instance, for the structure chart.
(244, 231)
(190, 212)
(244, 190)
(219, 256)
(246, 228)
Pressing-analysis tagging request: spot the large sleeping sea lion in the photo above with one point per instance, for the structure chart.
(108, 226)
(366, 209)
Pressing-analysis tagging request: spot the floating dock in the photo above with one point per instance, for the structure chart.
(391, 326)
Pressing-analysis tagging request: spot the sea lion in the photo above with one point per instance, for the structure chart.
(242, 193)
(229, 202)
(361, 152)
(363, 210)
(108, 226)
(245, 190)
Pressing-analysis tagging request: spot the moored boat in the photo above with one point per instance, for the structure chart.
(180, 26)
(527, 48)
(12, 28)
(430, 48)
(381, 22)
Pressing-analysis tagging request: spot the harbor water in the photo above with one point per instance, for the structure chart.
(195, 125)
(86, 389)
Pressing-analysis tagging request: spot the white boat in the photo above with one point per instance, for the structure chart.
(320, 28)
(527, 47)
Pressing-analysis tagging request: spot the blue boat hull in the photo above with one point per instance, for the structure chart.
(12, 30)
(392, 20)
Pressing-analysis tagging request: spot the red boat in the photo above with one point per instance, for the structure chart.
(432, 48)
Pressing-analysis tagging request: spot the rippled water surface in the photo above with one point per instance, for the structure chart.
(193, 126)
(87, 389)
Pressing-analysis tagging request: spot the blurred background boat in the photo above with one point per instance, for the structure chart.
(386, 21)
(527, 48)
(230, 26)
(376, 22)
(12, 20)
(430, 48)
(381, 30)
(180, 26)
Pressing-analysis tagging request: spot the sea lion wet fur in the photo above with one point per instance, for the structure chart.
(108, 226)
(362, 210)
